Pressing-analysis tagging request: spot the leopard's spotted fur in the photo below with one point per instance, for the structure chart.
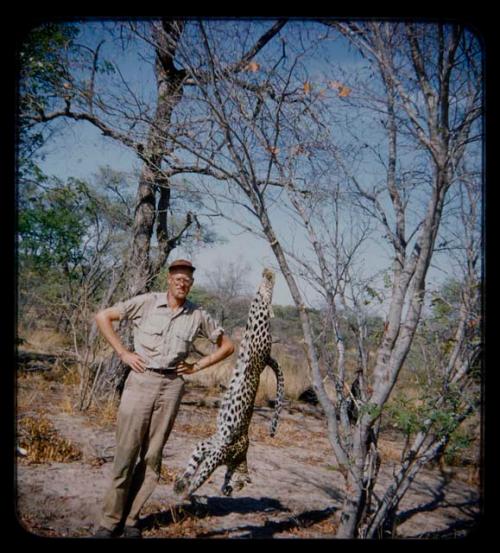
(229, 445)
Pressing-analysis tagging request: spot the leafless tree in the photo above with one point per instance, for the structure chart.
(260, 132)
(129, 120)
(123, 114)
(228, 282)
(424, 96)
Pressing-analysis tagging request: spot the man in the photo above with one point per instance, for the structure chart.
(165, 326)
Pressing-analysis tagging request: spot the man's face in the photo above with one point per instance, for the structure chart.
(179, 283)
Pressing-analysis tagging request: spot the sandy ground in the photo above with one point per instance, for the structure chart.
(295, 492)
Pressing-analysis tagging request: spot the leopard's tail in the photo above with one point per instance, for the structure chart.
(280, 393)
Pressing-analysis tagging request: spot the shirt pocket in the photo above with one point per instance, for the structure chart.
(183, 338)
(149, 336)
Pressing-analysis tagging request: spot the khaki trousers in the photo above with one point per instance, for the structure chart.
(148, 407)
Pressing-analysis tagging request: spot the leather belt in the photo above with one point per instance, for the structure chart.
(167, 370)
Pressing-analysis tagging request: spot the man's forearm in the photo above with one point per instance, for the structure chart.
(105, 325)
(224, 350)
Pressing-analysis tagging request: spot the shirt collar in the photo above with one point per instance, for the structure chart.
(161, 301)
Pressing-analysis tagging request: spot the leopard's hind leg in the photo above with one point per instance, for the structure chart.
(236, 464)
(213, 459)
(200, 452)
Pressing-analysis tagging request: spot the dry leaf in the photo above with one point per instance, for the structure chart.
(344, 91)
(307, 87)
(253, 66)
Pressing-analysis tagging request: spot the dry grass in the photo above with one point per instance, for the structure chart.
(201, 430)
(287, 434)
(35, 393)
(67, 405)
(104, 414)
(324, 529)
(37, 528)
(59, 386)
(44, 340)
(295, 375)
(389, 450)
(267, 387)
(186, 528)
(211, 378)
(70, 376)
(183, 524)
(167, 476)
(43, 443)
(26, 397)
(472, 475)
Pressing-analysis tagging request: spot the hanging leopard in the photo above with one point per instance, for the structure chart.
(229, 444)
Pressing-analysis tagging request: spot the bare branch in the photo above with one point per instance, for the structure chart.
(255, 49)
(92, 78)
(43, 117)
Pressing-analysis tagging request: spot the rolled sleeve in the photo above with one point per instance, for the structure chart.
(131, 309)
(209, 327)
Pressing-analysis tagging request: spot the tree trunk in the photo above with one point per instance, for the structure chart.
(142, 269)
(169, 82)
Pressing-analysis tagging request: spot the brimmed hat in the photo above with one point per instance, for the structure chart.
(182, 264)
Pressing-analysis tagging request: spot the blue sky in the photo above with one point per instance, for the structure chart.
(79, 150)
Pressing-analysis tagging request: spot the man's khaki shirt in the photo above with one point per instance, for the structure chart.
(162, 336)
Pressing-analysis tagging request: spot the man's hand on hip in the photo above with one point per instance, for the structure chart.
(187, 368)
(134, 361)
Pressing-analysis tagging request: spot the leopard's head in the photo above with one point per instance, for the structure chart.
(267, 285)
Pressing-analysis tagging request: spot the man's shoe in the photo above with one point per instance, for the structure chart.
(131, 532)
(102, 532)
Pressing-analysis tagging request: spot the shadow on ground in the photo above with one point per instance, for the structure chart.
(201, 507)
(459, 528)
(272, 527)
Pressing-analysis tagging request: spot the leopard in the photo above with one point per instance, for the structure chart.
(229, 444)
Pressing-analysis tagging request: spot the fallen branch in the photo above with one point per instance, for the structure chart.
(42, 359)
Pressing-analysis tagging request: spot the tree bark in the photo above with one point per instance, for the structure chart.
(153, 194)
(149, 209)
